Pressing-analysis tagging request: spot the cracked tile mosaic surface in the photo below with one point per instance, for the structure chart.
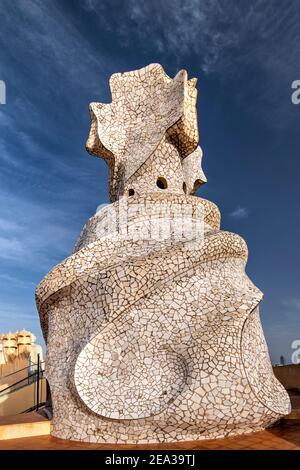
(154, 340)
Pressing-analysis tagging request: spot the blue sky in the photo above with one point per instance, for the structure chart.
(57, 56)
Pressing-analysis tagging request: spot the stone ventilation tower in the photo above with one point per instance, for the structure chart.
(154, 338)
(18, 351)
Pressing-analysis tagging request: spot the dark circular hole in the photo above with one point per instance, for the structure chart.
(184, 188)
(131, 192)
(161, 183)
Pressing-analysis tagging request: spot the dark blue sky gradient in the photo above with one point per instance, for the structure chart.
(57, 56)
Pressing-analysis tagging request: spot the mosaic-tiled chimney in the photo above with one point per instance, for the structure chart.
(155, 337)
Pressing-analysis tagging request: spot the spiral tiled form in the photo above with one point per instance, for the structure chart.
(154, 339)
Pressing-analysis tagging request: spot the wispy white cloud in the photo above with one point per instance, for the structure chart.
(14, 281)
(33, 234)
(64, 69)
(239, 213)
(293, 303)
(58, 167)
(234, 41)
(60, 58)
(9, 225)
(209, 28)
(11, 248)
(51, 38)
(11, 310)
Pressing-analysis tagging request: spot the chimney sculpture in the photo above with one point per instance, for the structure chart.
(152, 325)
